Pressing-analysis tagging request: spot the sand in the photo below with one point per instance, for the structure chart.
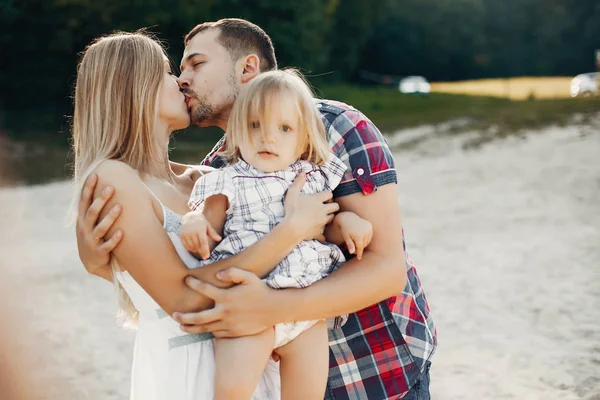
(506, 239)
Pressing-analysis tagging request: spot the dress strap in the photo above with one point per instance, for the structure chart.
(163, 207)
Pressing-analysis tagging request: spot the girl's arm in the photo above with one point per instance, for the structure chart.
(349, 228)
(147, 253)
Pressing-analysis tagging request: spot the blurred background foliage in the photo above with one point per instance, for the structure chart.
(332, 40)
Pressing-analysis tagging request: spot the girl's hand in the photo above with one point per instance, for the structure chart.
(357, 232)
(307, 215)
(195, 233)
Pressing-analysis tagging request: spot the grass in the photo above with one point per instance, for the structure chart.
(522, 88)
(391, 110)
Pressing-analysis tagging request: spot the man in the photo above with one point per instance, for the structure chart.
(383, 350)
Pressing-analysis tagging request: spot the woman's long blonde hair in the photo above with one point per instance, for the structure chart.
(116, 106)
(265, 90)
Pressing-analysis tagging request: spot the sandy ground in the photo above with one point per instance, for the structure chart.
(506, 239)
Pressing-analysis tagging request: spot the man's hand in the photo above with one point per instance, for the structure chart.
(357, 232)
(195, 233)
(94, 248)
(308, 214)
(242, 310)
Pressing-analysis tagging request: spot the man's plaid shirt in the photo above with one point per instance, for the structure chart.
(382, 350)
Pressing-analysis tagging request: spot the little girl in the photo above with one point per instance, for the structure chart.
(275, 132)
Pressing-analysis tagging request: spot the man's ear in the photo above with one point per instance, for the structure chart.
(250, 67)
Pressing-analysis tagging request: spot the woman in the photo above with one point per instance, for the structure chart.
(127, 103)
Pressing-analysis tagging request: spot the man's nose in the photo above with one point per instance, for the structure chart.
(183, 82)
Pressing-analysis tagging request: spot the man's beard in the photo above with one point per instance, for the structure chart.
(203, 111)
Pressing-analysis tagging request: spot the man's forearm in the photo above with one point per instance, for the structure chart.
(354, 286)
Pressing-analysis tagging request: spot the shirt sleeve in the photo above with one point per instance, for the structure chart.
(364, 150)
(213, 183)
(334, 170)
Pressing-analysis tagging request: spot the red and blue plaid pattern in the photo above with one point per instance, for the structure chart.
(382, 350)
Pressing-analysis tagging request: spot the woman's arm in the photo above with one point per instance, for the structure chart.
(147, 253)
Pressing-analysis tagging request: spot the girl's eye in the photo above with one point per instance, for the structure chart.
(285, 128)
(255, 125)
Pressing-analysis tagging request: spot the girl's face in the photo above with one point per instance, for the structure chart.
(279, 144)
(172, 110)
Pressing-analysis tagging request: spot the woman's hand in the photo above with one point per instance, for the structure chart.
(307, 215)
(93, 243)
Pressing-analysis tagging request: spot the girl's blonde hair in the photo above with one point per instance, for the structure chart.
(116, 106)
(266, 90)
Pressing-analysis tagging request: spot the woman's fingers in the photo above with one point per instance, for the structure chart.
(86, 195)
(112, 243)
(91, 216)
(107, 222)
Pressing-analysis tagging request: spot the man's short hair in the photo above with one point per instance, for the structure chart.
(240, 38)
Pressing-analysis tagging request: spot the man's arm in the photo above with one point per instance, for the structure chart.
(380, 274)
(252, 306)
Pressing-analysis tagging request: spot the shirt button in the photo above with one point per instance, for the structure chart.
(360, 171)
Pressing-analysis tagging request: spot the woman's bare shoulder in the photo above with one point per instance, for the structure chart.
(123, 178)
(129, 189)
(111, 169)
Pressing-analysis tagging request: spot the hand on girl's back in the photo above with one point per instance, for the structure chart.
(195, 234)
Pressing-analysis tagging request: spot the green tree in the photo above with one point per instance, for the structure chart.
(299, 28)
(354, 22)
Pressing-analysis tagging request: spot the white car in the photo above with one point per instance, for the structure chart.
(585, 84)
(414, 84)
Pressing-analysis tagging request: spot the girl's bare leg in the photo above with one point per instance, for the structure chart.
(305, 364)
(239, 364)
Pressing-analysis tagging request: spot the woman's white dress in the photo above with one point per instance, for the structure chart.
(169, 364)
